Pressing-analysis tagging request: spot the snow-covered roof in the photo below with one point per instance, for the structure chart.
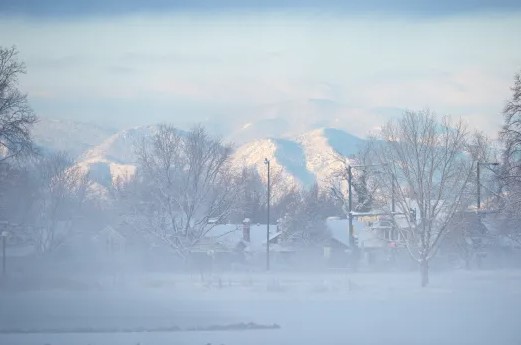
(109, 232)
(230, 235)
(367, 238)
(501, 228)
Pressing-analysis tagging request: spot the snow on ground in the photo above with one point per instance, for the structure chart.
(336, 308)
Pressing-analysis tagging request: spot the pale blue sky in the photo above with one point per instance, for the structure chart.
(165, 63)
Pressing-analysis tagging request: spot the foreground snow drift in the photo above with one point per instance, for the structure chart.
(460, 308)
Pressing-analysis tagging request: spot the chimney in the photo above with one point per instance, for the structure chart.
(246, 229)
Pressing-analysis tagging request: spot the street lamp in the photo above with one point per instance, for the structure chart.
(4, 235)
(350, 204)
(267, 162)
(478, 183)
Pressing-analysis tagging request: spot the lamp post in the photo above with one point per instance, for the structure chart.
(267, 162)
(393, 210)
(4, 235)
(479, 183)
(350, 205)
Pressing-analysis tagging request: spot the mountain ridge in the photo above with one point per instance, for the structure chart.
(299, 161)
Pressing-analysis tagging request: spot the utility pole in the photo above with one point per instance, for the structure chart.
(478, 183)
(267, 162)
(478, 242)
(479, 188)
(3, 256)
(352, 244)
(393, 206)
(4, 235)
(350, 206)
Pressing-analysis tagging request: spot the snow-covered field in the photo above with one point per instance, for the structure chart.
(337, 308)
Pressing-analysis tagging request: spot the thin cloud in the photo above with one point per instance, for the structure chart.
(118, 68)
(171, 58)
(58, 8)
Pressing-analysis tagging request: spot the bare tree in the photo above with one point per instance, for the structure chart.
(365, 188)
(511, 137)
(16, 192)
(16, 116)
(466, 229)
(185, 185)
(303, 223)
(251, 200)
(426, 160)
(61, 192)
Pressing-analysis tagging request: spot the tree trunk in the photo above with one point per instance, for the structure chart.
(468, 257)
(424, 272)
(479, 260)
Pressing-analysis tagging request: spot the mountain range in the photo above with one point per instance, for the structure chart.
(299, 160)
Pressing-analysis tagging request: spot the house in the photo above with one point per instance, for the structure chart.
(111, 241)
(233, 244)
(377, 240)
(502, 242)
(338, 250)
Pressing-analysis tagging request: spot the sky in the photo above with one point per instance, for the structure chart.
(127, 63)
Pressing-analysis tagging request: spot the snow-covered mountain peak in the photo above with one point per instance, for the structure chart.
(120, 147)
(115, 157)
(310, 158)
(295, 161)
